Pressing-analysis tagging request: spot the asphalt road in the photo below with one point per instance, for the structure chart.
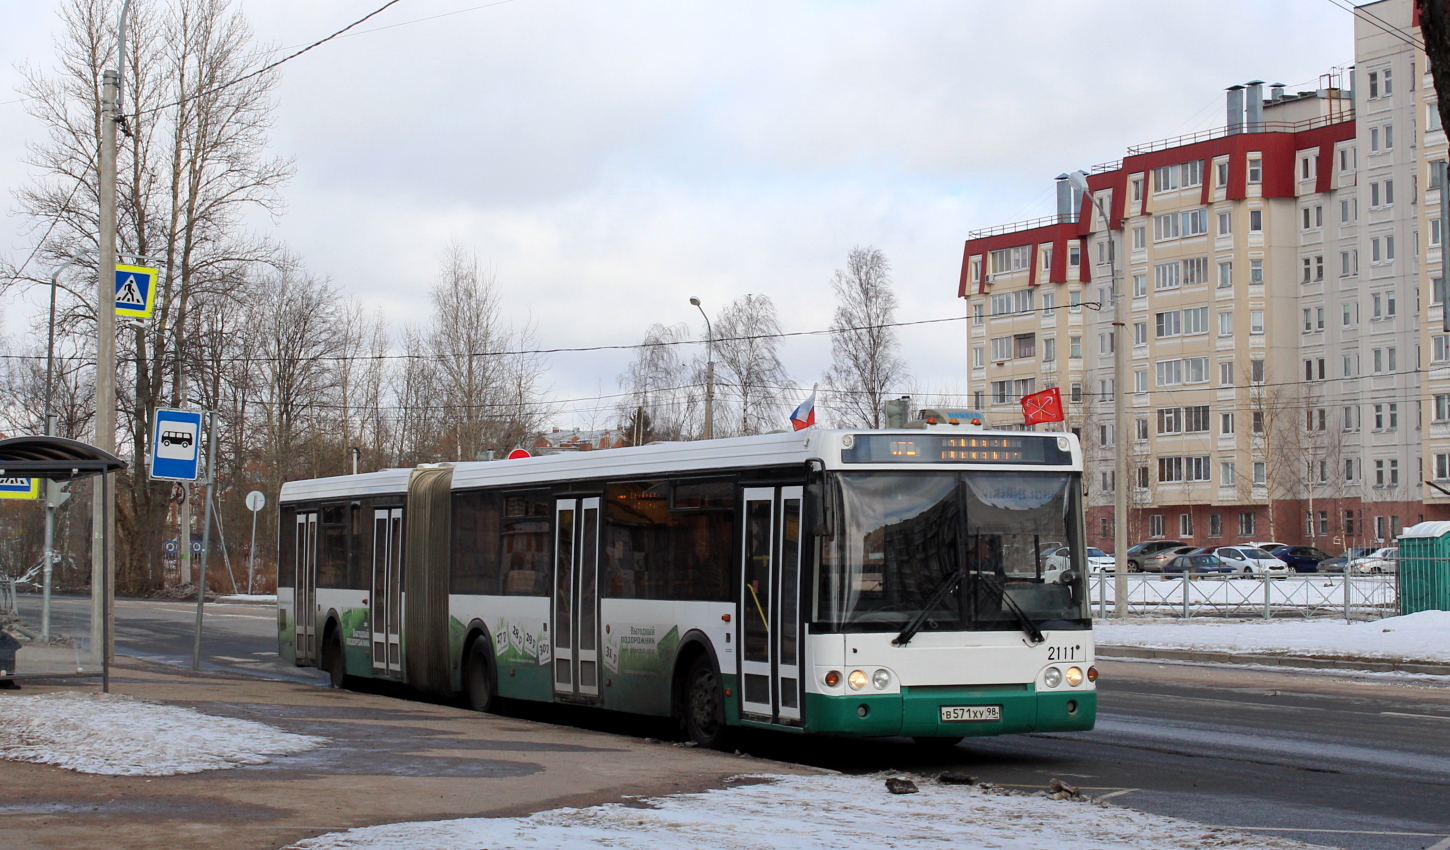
(1359, 762)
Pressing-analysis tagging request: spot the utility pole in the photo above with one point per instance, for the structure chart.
(1122, 440)
(103, 494)
(709, 372)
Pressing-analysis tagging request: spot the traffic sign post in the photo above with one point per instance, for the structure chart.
(256, 500)
(135, 291)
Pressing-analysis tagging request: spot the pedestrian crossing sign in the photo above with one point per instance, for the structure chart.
(135, 291)
(19, 488)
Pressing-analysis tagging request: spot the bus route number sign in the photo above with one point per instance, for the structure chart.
(955, 448)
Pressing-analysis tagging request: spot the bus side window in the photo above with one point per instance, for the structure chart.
(474, 562)
(332, 559)
(524, 541)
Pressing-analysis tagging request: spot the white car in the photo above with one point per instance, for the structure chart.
(1249, 561)
(1385, 560)
(1058, 562)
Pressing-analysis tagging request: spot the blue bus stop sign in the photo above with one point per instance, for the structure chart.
(169, 547)
(176, 445)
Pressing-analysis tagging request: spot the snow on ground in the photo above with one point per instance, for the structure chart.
(249, 599)
(123, 736)
(810, 812)
(1415, 637)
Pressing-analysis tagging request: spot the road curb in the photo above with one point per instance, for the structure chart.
(1373, 665)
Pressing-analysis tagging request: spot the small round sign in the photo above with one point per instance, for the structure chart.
(519, 453)
(169, 547)
(256, 500)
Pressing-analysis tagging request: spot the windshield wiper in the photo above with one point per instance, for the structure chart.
(1023, 621)
(938, 593)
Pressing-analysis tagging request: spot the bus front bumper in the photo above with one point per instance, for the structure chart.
(917, 712)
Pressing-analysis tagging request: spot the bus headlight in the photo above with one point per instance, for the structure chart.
(1074, 676)
(857, 680)
(881, 679)
(833, 678)
(1052, 677)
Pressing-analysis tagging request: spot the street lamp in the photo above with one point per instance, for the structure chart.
(1121, 482)
(709, 371)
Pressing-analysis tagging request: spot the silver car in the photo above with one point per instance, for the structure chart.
(1155, 562)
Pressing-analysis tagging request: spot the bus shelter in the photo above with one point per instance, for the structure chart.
(56, 623)
(1424, 568)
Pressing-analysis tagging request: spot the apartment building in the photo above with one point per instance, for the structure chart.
(1289, 370)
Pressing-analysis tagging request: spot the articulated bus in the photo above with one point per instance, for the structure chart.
(876, 583)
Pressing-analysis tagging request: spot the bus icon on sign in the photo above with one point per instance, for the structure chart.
(178, 438)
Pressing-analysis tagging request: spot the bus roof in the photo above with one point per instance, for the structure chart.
(786, 448)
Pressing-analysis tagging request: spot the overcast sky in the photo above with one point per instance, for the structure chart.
(607, 160)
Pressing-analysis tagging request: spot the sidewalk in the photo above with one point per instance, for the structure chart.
(386, 760)
(1418, 643)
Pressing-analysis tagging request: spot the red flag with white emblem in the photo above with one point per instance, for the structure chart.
(1045, 406)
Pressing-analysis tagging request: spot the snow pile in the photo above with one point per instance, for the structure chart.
(1423, 637)
(800, 812)
(248, 599)
(124, 736)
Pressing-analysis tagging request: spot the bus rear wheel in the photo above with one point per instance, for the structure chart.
(704, 706)
(478, 678)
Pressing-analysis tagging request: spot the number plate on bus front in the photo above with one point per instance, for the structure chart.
(970, 713)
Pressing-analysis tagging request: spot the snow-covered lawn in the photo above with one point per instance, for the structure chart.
(124, 736)
(809, 812)
(1416, 637)
(249, 599)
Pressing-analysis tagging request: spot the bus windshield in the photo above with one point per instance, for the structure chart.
(899, 535)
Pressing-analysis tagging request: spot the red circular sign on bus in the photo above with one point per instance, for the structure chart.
(518, 453)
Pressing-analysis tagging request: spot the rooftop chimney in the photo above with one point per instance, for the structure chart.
(1235, 109)
(1065, 208)
(1276, 92)
(1255, 104)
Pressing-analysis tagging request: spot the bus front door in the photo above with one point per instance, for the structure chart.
(305, 617)
(576, 599)
(385, 615)
(770, 594)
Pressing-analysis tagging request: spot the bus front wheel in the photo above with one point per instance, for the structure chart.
(704, 706)
(478, 678)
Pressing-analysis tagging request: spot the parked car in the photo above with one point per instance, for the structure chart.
(1155, 562)
(1059, 560)
(1301, 559)
(1384, 560)
(1249, 561)
(1336, 564)
(1266, 545)
(1197, 564)
(1151, 547)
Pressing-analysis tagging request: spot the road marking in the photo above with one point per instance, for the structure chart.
(1115, 794)
(1423, 716)
(1440, 845)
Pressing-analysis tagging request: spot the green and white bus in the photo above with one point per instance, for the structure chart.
(872, 583)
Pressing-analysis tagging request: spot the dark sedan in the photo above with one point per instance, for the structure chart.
(1336, 564)
(1301, 559)
(1197, 565)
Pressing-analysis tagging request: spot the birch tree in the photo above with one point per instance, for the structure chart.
(865, 362)
(753, 380)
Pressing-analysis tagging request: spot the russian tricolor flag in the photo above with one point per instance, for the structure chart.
(805, 415)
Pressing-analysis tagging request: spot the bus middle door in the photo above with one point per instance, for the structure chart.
(576, 599)
(769, 637)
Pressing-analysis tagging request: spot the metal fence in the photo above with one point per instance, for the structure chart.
(1352, 597)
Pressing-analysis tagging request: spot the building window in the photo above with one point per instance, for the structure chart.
(1256, 371)
(1261, 473)
(1140, 286)
(1140, 238)
(1185, 525)
(1226, 373)
(1226, 423)
(1105, 527)
(1442, 407)
(1155, 525)
(1074, 347)
(1225, 275)
(1256, 221)
(1226, 474)
(1165, 227)
(1024, 345)
(1225, 224)
(1140, 381)
(1256, 271)
(1256, 170)
(1166, 276)
(1075, 392)
(979, 357)
(1256, 321)
(1442, 467)
(1169, 324)
(1246, 524)
(1049, 349)
(1140, 429)
(1195, 222)
(1226, 324)
(1215, 525)
(1074, 255)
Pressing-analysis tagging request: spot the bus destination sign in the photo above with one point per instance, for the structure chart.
(956, 448)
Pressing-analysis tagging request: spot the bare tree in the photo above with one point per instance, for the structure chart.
(747, 345)
(864, 346)
(664, 400)
(191, 164)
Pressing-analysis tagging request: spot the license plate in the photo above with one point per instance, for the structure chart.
(970, 713)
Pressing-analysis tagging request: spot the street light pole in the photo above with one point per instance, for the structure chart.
(1121, 438)
(709, 372)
